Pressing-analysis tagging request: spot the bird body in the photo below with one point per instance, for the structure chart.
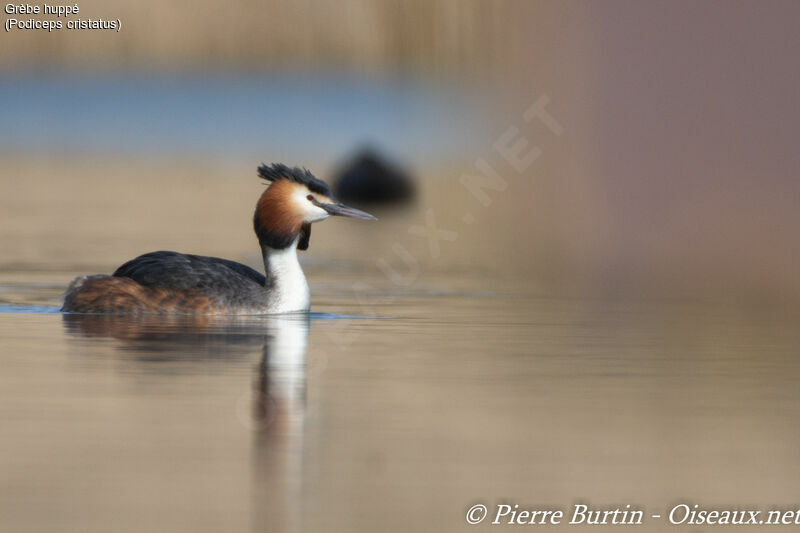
(170, 282)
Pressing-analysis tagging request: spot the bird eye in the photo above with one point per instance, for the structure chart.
(310, 198)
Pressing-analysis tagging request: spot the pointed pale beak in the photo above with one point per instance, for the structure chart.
(341, 210)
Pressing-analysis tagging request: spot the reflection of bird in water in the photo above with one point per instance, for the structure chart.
(279, 402)
(171, 282)
(271, 412)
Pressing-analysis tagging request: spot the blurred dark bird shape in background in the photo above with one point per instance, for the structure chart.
(370, 178)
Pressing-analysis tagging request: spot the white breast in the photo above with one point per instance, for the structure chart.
(285, 280)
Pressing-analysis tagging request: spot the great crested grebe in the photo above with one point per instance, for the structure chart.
(171, 282)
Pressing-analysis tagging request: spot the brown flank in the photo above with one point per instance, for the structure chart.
(108, 294)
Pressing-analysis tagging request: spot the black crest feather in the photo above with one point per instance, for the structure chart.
(279, 171)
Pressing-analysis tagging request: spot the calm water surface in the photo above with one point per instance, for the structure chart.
(391, 408)
(393, 411)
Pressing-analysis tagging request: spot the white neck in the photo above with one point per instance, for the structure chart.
(288, 289)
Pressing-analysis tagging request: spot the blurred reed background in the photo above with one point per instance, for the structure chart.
(676, 173)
